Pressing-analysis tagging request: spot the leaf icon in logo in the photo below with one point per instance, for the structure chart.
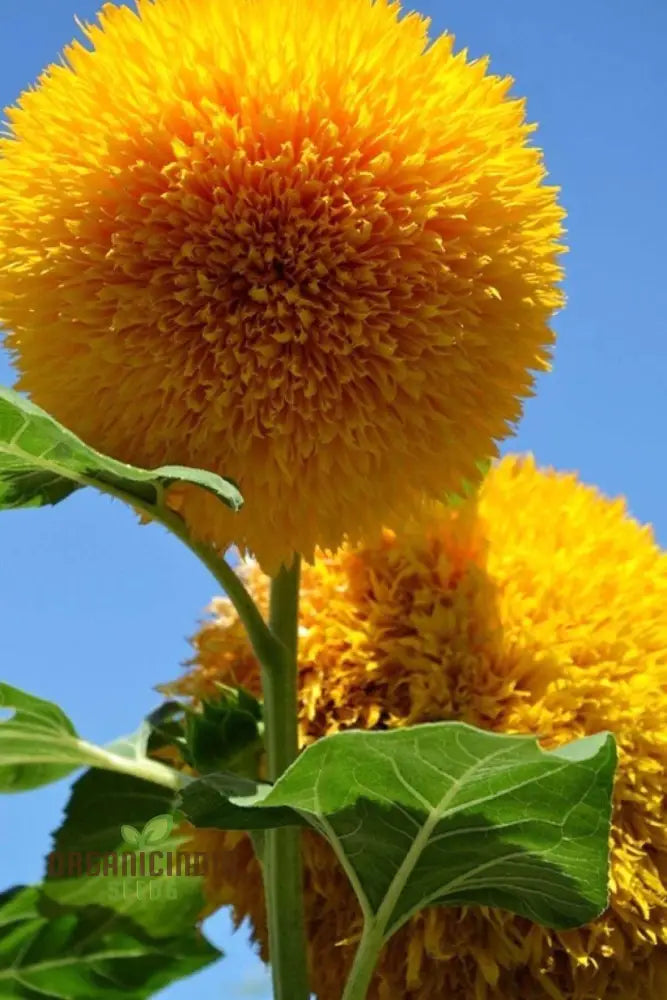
(130, 835)
(157, 830)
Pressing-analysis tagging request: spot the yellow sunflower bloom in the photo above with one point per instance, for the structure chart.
(292, 243)
(539, 609)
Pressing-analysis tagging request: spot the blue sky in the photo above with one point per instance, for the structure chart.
(95, 611)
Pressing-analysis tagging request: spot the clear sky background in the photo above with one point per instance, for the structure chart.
(94, 610)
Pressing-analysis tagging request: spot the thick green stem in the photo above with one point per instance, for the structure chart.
(280, 674)
(275, 646)
(282, 848)
(364, 963)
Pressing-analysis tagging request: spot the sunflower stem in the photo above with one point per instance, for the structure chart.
(267, 647)
(275, 646)
(280, 676)
(281, 854)
(365, 960)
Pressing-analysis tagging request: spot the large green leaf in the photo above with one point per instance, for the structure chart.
(39, 744)
(445, 814)
(42, 462)
(92, 953)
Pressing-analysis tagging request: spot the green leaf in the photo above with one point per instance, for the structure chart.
(227, 802)
(88, 954)
(103, 805)
(445, 814)
(39, 744)
(103, 820)
(162, 904)
(42, 463)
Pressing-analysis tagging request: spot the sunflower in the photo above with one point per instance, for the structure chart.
(538, 608)
(296, 244)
